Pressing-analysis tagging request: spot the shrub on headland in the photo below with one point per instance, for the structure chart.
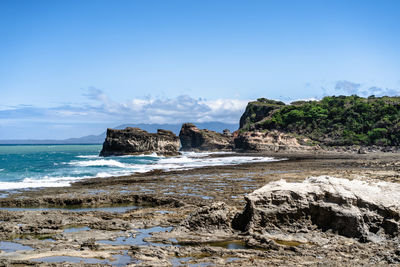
(334, 120)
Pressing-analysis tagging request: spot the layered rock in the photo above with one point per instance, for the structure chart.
(351, 208)
(192, 138)
(272, 141)
(134, 141)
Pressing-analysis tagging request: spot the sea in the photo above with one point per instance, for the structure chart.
(35, 166)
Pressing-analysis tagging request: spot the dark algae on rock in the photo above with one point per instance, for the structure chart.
(134, 141)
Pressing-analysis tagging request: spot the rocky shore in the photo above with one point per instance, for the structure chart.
(332, 209)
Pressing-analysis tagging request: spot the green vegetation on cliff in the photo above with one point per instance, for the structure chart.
(258, 110)
(334, 120)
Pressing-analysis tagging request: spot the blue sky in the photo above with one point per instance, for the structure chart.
(71, 68)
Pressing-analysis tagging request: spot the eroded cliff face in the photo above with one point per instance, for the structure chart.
(134, 141)
(194, 139)
(272, 141)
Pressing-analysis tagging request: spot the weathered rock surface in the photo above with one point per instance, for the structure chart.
(271, 141)
(214, 218)
(192, 138)
(153, 202)
(134, 141)
(351, 208)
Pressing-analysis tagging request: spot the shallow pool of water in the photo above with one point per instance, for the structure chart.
(196, 195)
(235, 244)
(7, 246)
(76, 229)
(137, 240)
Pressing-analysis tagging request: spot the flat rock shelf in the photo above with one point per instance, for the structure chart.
(236, 215)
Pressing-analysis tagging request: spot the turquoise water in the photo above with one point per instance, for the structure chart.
(24, 166)
(32, 166)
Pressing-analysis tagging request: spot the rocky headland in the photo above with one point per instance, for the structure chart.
(195, 139)
(335, 124)
(134, 141)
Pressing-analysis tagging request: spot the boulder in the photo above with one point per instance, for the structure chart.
(367, 211)
(192, 138)
(135, 141)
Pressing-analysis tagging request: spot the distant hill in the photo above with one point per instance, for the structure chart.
(333, 121)
(99, 139)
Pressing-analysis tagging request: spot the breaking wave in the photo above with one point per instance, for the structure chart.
(77, 167)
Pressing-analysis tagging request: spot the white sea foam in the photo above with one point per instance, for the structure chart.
(100, 162)
(111, 174)
(152, 155)
(43, 182)
(88, 156)
(192, 162)
(188, 160)
(1, 170)
(205, 154)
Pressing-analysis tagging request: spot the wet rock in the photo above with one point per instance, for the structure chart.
(134, 141)
(192, 138)
(90, 244)
(214, 218)
(90, 200)
(351, 208)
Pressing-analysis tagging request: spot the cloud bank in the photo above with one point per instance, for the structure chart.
(162, 110)
(100, 109)
(352, 88)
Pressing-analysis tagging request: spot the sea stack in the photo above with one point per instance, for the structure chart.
(135, 141)
(194, 139)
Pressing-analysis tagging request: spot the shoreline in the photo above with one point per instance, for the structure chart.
(130, 165)
(165, 200)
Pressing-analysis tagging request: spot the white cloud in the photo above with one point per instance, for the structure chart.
(147, 110)
(348, 87)
(351, 88)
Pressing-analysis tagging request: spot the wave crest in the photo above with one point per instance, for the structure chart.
(100, 162)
